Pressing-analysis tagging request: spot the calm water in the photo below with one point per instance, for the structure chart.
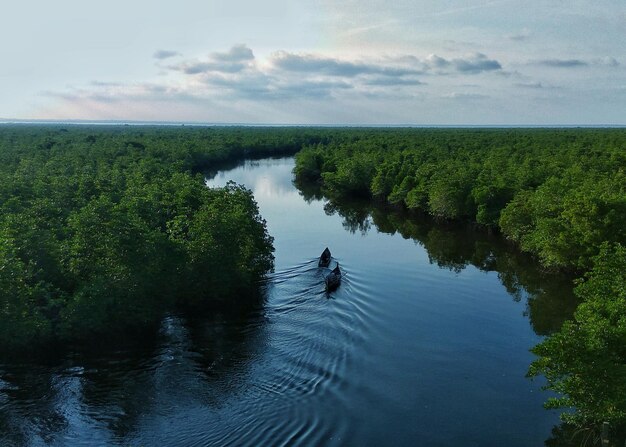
(426, 342)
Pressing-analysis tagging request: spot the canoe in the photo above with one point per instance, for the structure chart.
(324, 258)
(333, 279)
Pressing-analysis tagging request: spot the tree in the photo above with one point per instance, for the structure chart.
(585, 362)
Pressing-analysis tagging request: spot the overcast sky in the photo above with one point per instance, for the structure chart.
(316, 61)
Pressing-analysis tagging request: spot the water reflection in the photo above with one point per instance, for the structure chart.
(104, 399)
(548, 295)
(278, 184)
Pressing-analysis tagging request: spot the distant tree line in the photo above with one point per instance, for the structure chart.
(560, 194)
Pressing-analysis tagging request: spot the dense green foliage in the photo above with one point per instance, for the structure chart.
(586, 360)
(559, 194)
(103, 229)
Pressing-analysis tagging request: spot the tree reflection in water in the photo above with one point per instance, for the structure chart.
(104, 397)
(548, 295)
(454, 246)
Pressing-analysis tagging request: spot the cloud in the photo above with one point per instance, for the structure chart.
(237, 59)
(255, 85)
(391, 82)
(310, 89)
(404, 68)
(310, 64)
(562, 63)
(192, 68)
(238, 66)
(606, 61)
(609, 62)
(249, 85)
(472, 64)
(476, 64)
(116, 92)
(165, 54)
(236, 76)
(435, 62)
(238, 53)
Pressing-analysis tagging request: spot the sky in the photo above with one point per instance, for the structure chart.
(369, 62)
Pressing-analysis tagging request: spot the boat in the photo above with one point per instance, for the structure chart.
(324, 258)
(333, 279)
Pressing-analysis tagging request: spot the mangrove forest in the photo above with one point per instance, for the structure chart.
(105, 230)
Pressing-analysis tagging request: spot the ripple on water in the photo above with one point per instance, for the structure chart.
(304, 366)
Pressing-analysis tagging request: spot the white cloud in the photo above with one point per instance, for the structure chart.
(238, 53)
(237, 59)
(562, 63)
(313, 64)
(224, 84)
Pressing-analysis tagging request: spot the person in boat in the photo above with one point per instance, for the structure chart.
(333, 278)
(324, 258)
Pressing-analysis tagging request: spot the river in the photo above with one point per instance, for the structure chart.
(425, 342)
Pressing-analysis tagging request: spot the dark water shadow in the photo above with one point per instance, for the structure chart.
(103, 396)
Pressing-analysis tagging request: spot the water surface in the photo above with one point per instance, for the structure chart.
(426, 342)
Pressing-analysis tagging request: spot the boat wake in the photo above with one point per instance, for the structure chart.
(304, 366)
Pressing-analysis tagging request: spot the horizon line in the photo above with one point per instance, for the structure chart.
(113, 122)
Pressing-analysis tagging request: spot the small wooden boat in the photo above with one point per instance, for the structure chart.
(324, 258)
(333, 279)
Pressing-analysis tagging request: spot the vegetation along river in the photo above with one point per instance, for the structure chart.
(425, 342)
